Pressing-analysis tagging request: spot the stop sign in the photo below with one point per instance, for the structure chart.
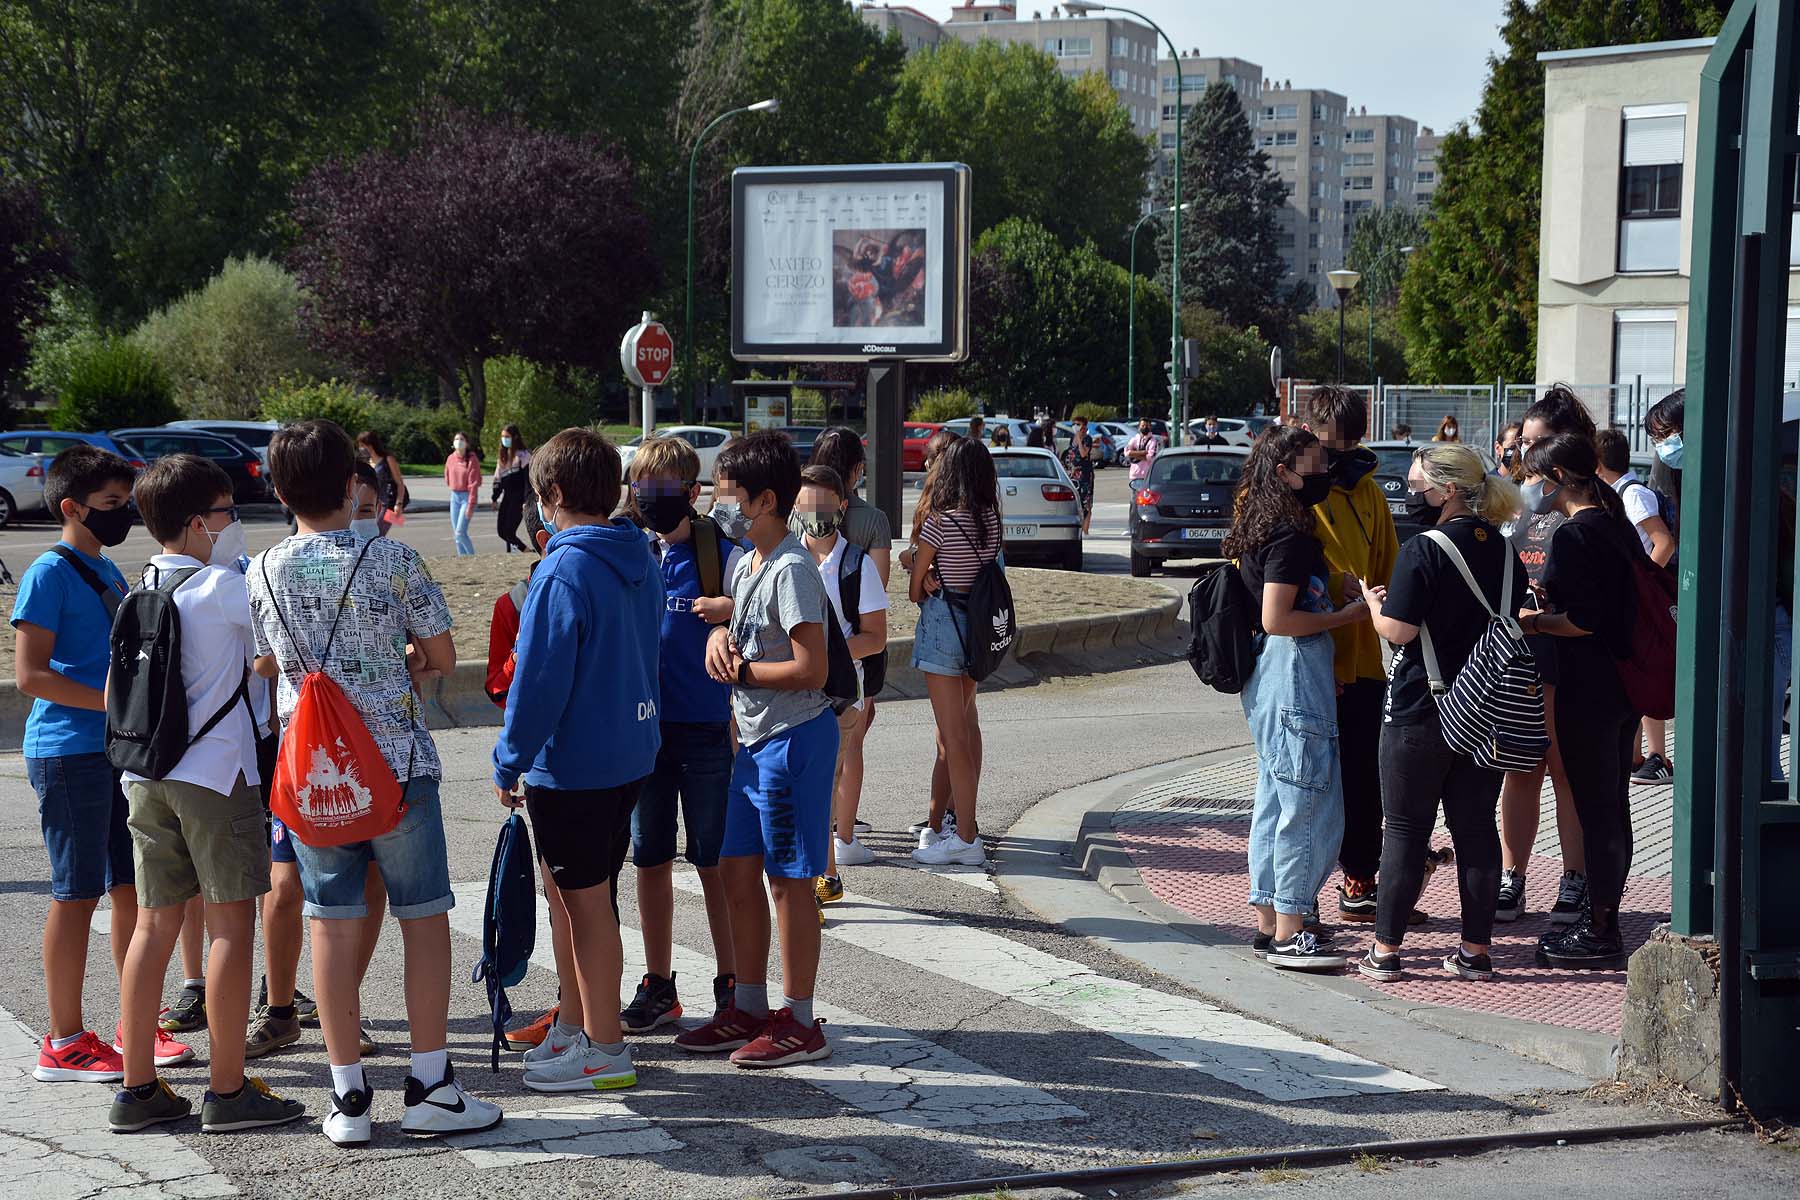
(647, 354)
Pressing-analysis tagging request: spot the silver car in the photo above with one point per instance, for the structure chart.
(1039, 510)
(21, 484)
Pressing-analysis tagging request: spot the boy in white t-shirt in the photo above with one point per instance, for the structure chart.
(199, 829)
(820, 510)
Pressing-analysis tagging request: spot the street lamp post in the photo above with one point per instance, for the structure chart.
(1342, 281)
(1370, 297)
(1077, 8)
(1131, 317)
(690, 377)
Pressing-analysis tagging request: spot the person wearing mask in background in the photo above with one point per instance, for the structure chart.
(1209, 434)
(511, 482)
(1506, 459)
(390, 485)
(1401, 433)
(1559, 411)
(1002, 439)
(1588, 583)
(1140, 451)
(1447, 431)
(1357, 532)
(1290, 700)
(365, 519)
(462, 475)
(1643, 508)
(1450, 489)
(1078, 460)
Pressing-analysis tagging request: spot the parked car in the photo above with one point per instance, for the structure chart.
(1184, 508)
(705, 439)
(1396, 463)
(21, 484)
(249, 481)
(254, 434)
(1235, 430)
(914, 437)
(1039, 511)
(803, 437)
(52, 442)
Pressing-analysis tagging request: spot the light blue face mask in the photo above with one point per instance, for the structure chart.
(1669, 450)
(545, 518)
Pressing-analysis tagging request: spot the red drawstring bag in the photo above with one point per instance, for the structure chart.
(332, 786)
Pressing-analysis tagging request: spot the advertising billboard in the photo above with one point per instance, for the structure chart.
(850, 263)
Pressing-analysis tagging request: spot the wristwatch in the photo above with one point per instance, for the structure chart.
(743, 677)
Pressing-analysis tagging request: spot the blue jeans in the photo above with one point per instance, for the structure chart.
(462, 504)
(694, 765)
(414, 862)
(1297, 825)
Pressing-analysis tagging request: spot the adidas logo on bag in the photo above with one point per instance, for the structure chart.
(1002, 619)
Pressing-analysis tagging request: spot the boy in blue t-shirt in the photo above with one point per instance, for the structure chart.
(694, 763)
(63, 618)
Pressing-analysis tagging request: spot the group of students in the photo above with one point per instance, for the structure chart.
(1354, 760)
(654, 659)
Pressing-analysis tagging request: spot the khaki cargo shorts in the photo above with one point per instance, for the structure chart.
(189, 841)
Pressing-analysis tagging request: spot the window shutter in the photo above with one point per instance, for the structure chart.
(1652, 141)
(1790, 366)
(1645, 347)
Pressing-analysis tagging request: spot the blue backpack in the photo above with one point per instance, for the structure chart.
(509, 923)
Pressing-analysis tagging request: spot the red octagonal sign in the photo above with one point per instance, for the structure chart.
(647, 354)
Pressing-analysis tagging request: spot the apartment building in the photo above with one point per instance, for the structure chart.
(918, 31)
(1618, 187)
(1302, 130)
(1380, 164)
(1425, 173)
(1198, 72)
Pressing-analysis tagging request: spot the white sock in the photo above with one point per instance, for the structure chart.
(430, 1066)
(199, 984)
(65, 1043)
(567, 1031)
(345, 1080)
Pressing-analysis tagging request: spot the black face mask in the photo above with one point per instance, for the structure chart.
(1314, 489)
(663, 513)
(109, 525)
(1420, 508)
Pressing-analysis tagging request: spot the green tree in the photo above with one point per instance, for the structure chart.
(1314, 353)
(1058, 152)
(1377, 249)
(1229, 259)
(1469, 302)
(113, 383)
(1234, 365)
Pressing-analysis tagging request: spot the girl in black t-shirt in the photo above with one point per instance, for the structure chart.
(1451, 489)
(1290, 700)
(1588, 581)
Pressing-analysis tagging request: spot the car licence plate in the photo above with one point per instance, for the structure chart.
(1397, 508)
(1201, 535)
(1021, 531)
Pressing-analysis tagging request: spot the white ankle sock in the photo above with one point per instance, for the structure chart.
(345, 1080)
(566, 1031)
(430, 1066)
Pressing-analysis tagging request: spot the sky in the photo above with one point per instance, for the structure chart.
(1424, 59)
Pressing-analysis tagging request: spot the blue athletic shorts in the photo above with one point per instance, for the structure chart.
(780, 800)
(693, 769)
(82, 811)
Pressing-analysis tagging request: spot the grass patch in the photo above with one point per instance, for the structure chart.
(1368, 1164)
(1281, 1174)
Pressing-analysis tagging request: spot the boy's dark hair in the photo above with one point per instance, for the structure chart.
(311, 463)
(365, 475)
(174, 490)
(584, 469)
(841, 449)
(1344, 410)
(763, 462)
(1403, 430)
(1665, 415)
(534, 525)
(79, 472)
(819, 475)
(1614, 450)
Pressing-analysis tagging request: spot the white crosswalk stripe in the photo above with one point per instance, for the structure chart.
(1227, 1046)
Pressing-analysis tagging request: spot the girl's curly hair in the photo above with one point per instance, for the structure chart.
(1264, 504)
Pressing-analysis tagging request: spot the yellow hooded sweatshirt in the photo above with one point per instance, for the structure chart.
(1357, 532)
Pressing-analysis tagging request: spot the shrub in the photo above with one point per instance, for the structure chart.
(68, 332)
(947, 405)
(529, 395)
(1087, 410)
(418, 434)
(294, 399)
(112, 383)
(229, 342)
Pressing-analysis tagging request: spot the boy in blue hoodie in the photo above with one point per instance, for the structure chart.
(582, 732)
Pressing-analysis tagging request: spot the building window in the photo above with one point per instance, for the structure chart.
(1120, 80)
(1312, 216)
(1281, 137)
(1312, 241)
(1644, 348)
(1069, 47)
(1393, 135)
(1393, 183)
(1121, 46)
(1362, 136)
(1193, 83)
(1281, 112)
(1168, 141)
(1650, 188)
(1168, 112)
(1364, 159)
(1427, 178)
(1285, 163)
(1360, 183)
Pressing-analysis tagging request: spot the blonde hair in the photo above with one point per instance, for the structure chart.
(666, 458)
(1452, 464)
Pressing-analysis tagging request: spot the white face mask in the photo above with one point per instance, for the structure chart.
(228, 546)
(368, 527)
(461, 445)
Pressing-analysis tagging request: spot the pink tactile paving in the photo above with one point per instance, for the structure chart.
(1198, 865)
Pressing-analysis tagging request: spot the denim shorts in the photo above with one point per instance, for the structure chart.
(780, 801)
(694, 767)
(414, 862)
(938, 638)
(82, 811)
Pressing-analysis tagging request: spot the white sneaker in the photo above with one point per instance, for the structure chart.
(854, 854)
(862, 826)
(586, 1068)
(552, 1047)
(445, 1108)
(951, 850)
(348, 1123)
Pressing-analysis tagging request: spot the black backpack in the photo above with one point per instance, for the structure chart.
(850, 596)
(1224, 639)
(146, 703)
(992, 626)
(840, 668)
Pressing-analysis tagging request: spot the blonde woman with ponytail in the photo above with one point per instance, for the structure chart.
(1450, 490)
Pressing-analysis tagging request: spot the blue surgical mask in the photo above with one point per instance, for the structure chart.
(1538, 497)
(544, 516)
(367, 527)
(729, 516)
(1669, 450)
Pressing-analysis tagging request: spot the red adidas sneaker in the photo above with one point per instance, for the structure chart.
(85, 1060)
(783, 1042)
(729, 1029)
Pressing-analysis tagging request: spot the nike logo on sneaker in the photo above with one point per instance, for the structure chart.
(594, 1070)
(459, 1106)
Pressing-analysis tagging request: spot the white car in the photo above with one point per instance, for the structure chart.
(705, 439)
(1235, 430)
(1039, 511)
(253, 434)
(21, 484)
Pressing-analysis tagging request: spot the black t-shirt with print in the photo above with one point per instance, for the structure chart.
(1289, 556)
(1589, 577)
(1428, 590)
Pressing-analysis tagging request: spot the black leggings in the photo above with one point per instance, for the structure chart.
(510, 513)
(1418, 770)
(1597, 733)
(1359, 709)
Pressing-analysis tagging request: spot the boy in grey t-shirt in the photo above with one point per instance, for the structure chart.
(778, 811)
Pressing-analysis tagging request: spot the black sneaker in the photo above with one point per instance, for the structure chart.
(1259, 945)
(655, 1004)
(1302, 952)
(131, 1113)
(1583, 948)
(1654, 769)
(305, 1010)
(1469, 966)
(724, 992)
(187, 1014)
(1356, 900)
(1511, 905)
(254, 1107)
(1385, 967)
(1571, 898)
